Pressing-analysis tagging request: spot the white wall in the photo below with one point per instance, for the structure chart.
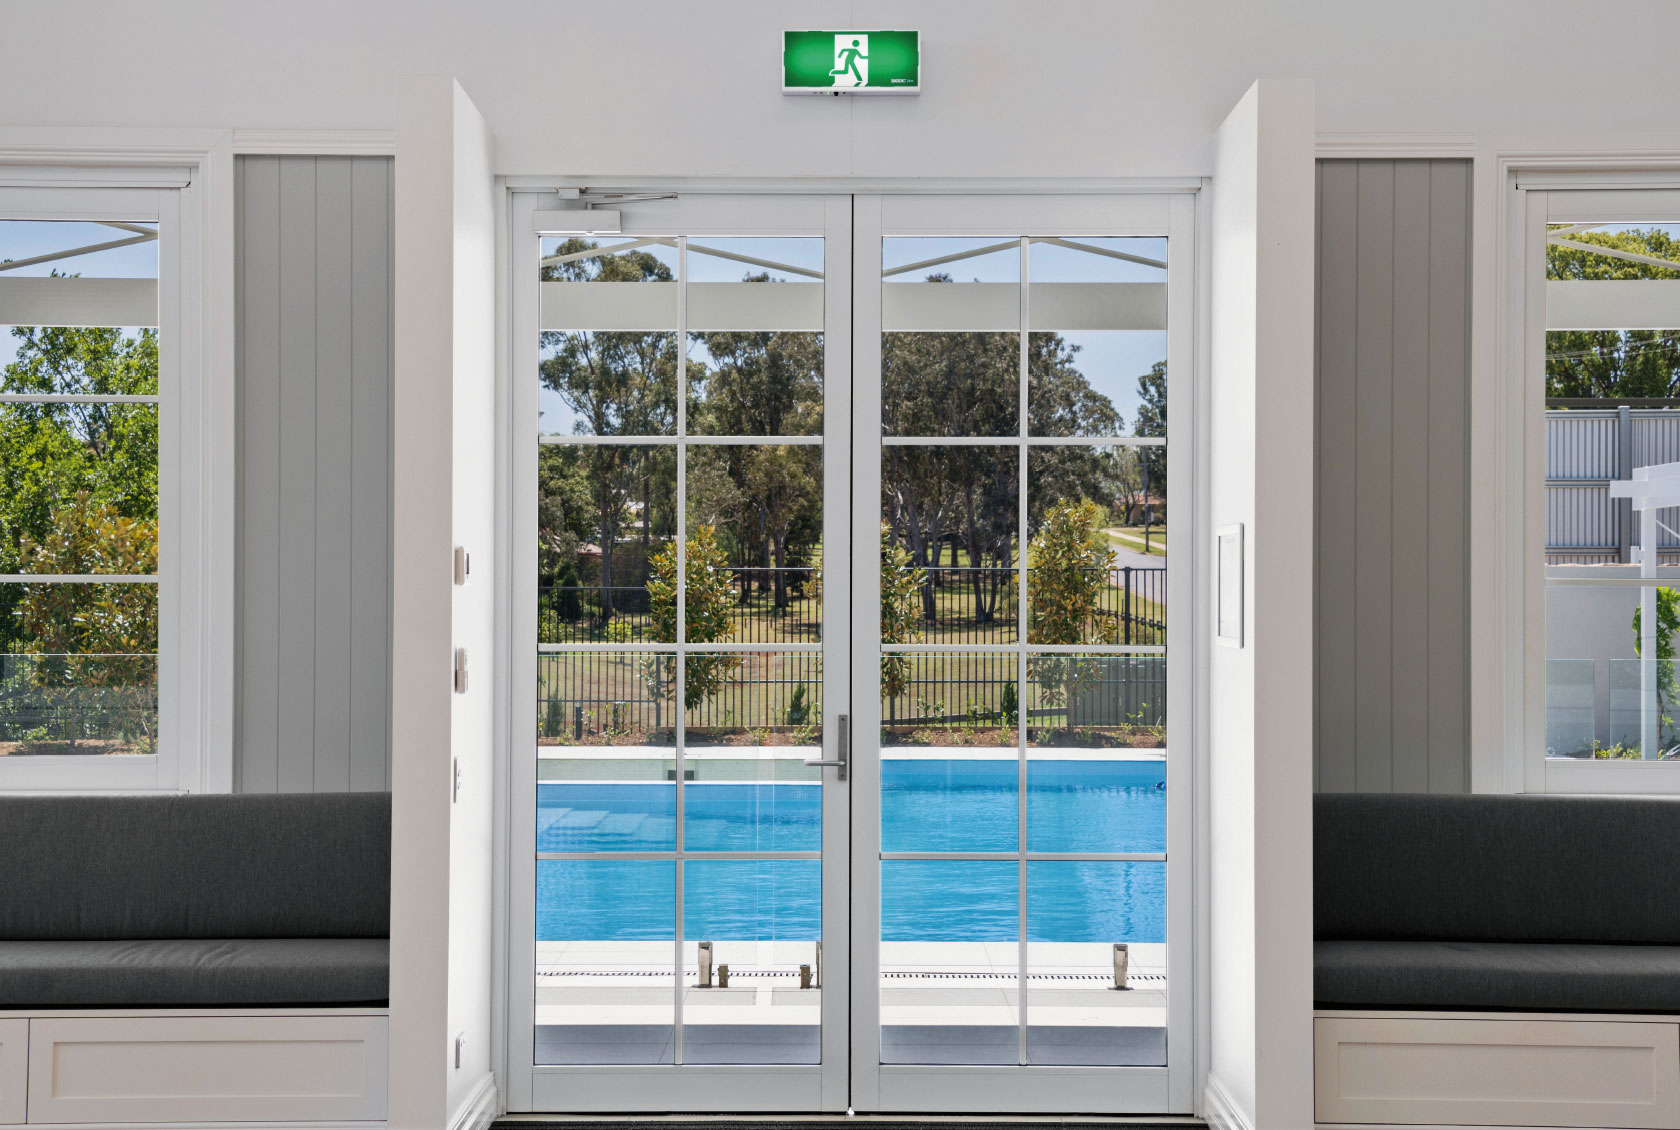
(1260, 755)
(444, 496)
(1051, 88)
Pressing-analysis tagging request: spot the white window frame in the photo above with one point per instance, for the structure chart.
(1509, 449)
(183, 180)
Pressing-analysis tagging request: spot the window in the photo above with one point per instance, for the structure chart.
(99, 526)
(1604, 346)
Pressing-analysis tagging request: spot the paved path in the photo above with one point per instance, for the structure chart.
(1136, 557)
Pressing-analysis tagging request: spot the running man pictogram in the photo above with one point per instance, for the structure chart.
(846, 60)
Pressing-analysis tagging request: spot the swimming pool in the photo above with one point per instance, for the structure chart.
(926, 806)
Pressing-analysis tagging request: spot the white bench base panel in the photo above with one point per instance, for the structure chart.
(1496, 1069)
(194, 1066)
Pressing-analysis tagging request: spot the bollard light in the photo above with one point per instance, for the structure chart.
(705, 965)
(1121, 957)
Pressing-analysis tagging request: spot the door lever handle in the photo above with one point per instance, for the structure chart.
(843, 754)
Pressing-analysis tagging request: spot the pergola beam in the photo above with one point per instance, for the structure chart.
(55, 256)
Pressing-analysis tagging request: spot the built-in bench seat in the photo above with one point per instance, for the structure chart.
(139, 901)
(142, 937)
(176, 972)
(1497, 960)
(1545, 976)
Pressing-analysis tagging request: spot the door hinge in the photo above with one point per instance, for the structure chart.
(460, 670)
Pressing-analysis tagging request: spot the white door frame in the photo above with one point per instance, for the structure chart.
(1036, 1089)
(851, 1074)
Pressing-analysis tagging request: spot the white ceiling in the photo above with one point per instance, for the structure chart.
(1013, 87)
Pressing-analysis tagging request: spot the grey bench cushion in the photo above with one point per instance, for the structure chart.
(1496, 975)
(313, 865)
(195, 971)
(1496, 868)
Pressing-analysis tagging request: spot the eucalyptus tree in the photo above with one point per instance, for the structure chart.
(765, 383)
(615, 382)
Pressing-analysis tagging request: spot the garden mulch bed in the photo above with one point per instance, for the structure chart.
(91, 747)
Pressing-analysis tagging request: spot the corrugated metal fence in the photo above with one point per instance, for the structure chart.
(1587, 450)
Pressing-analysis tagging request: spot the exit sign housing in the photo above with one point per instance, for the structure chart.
(851, 62)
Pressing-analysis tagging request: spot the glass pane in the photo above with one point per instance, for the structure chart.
(1604, 702)
(949, 769)
(1097, 567)
(949, 961)
(761, 920)
(1576, 252)
(79, 669)
(79, 360)
(608, 353)
(1098, 259)
(754, 543)
(606, 520)
(1078, 913)
(950, 384)
(604, 698)
(755, 309)
(966, 259)
(1080, 801)
(1097, 383)
(1114, 703)
(606, 956)
(82, 341)
(80, 492)
(744, 383)
(593, 798)
(951, 346)
(1612, 375)
(951, 521)
(753, 719)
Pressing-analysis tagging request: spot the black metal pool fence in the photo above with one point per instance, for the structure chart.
(49, 702)
(960, 605)
(775, 697)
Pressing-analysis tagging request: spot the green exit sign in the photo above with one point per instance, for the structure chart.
(851, 62)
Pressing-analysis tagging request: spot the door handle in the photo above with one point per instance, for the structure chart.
(844, 753)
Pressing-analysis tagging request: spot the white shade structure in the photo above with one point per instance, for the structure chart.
(1651, 489)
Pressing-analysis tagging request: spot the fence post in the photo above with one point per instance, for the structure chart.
(1624, 470)
(1127, 570)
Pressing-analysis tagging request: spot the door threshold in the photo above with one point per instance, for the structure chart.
(874, 1121)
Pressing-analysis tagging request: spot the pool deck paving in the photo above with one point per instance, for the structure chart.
(924, 985)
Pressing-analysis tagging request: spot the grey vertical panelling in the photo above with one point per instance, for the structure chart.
(1449, 476)
(1393, 476)
(1409, 555)
(297, 475)
(370, 476)
(334, 350)
(1373, 428)
(1338, 515)
(256, 763)
(314, 321)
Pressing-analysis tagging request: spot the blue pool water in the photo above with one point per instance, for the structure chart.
(1072, 806)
